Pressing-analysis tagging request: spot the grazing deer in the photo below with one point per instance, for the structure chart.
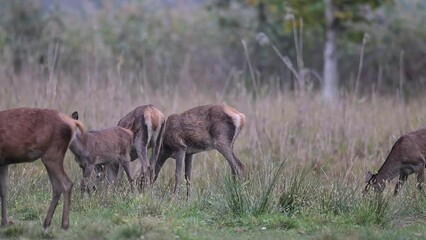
(406, 157)
(199, 129)
(102, 147)
(27, 134)
(147, 124)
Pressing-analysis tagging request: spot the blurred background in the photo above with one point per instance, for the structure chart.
(340, 46)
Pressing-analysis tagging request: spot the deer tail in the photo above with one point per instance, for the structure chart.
(73, 123)
(80, 126)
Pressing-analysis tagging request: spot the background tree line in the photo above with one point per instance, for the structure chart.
(360, 46)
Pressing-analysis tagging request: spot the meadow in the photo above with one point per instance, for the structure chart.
(305, 159)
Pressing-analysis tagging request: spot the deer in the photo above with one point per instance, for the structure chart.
(28, 134)
(406, 157)
(147, 124)
(102, 147)
(200, 129)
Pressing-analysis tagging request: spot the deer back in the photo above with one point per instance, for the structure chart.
(419, 138)
(26, 133)
(198, 128)
(146, 114)
(107, 143)
(144, 119)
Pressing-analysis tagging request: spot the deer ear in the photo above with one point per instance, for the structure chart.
(368, 177)
(74, 115)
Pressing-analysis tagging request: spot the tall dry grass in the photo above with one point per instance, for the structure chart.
(346, 137)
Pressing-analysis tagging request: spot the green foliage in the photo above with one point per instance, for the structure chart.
(125, 33)
(388, 28)
(236, 197)
(293, 195)
(13, 232)
(22, 22)
(395, 44)
(149, 43)
(129, 232)
(374, 210)
(265, 201)
(279, 15)
(241, 200)
(338, 199)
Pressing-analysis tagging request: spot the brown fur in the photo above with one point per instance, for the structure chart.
(406, 157)
(27, 134)
(102, 147)
(147, 124)
(199, 129)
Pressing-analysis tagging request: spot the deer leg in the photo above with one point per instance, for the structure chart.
(141, 145)
(60, 184)
(180, 155)
(420, 179)
(152, 173)
(237, 166)
(108, 171)
(402, 178)
(152, 160)
(145, 170)
(188, 170)
(56, 194)
(125, 162)
(4, 172)
(156, 151)
(112, 170)
(99, 175)
(66, 189)
(163, 156)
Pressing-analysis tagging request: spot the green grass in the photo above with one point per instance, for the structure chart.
(287, 204)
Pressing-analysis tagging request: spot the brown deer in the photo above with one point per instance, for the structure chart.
(199, 129)
(147, 124)
(102, 147)
(27, 134)
(406, 157)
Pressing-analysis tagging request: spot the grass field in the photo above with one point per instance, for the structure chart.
(305, 166)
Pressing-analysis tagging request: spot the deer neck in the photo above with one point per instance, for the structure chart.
(388, 171)
(76, 146)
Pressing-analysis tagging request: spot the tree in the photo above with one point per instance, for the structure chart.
(334, 18)
(330, 73)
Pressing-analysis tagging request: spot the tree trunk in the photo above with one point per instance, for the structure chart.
(330, 74)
